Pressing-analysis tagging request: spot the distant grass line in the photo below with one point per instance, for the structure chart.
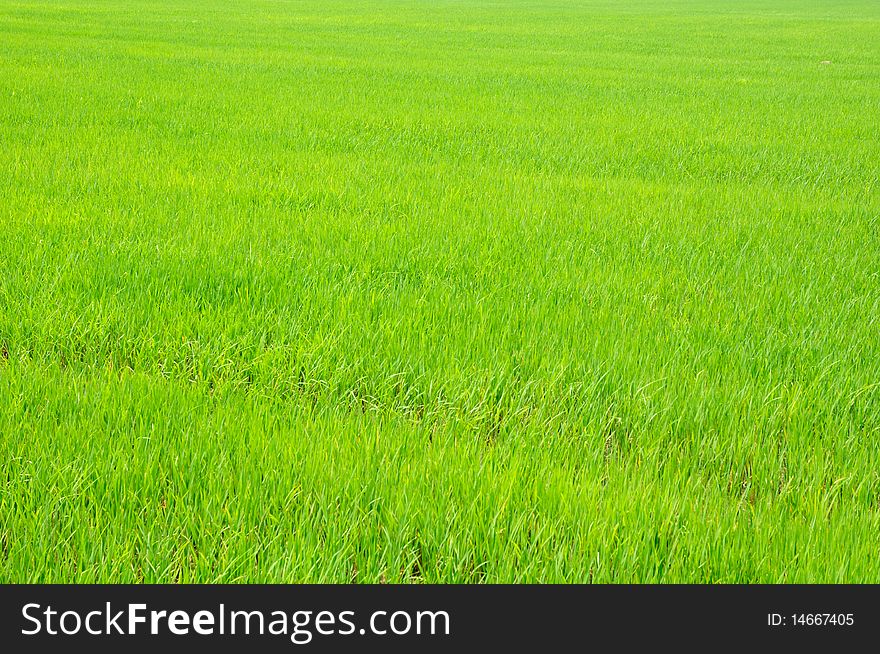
(439, 291)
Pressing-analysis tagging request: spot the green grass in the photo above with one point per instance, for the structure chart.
(447, 291)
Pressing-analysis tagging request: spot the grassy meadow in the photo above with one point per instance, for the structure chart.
(448, 291)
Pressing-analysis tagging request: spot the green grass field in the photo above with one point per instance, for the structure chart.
(449, 291)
